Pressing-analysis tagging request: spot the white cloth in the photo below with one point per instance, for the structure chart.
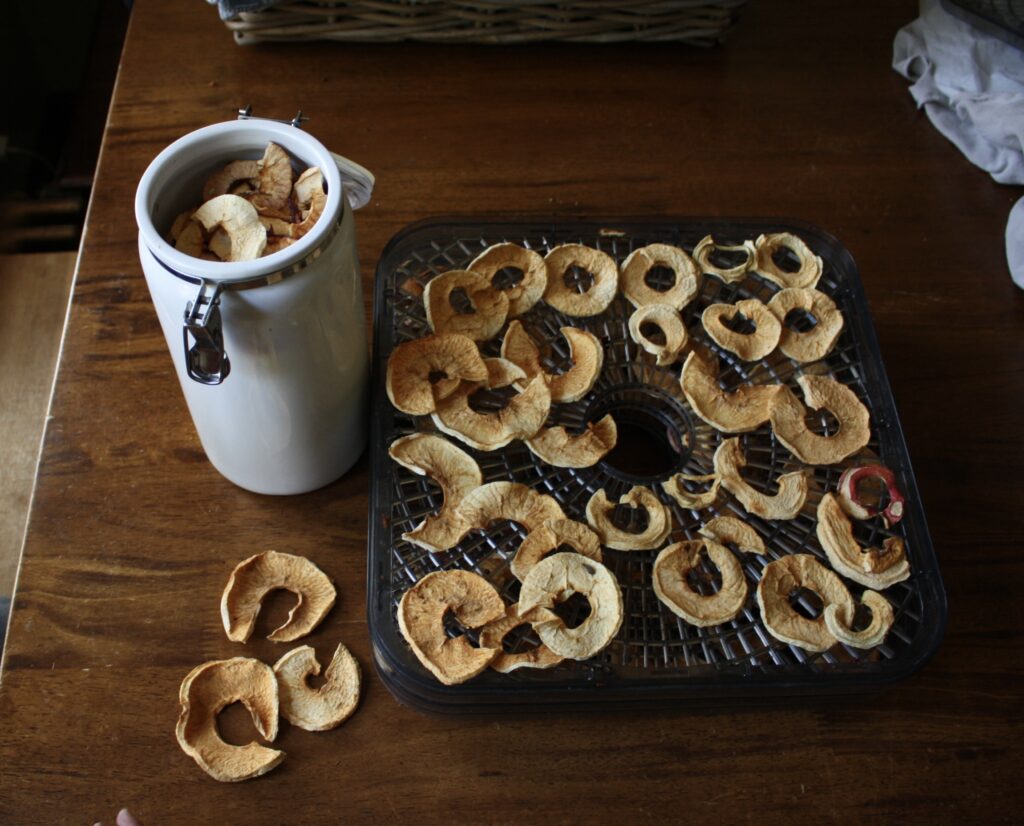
(971, 86)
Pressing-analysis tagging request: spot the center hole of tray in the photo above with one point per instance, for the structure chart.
(655, 435)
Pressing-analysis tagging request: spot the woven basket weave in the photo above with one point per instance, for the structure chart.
(696, 22)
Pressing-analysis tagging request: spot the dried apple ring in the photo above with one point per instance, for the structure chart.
(556, 579)
(521, 418)
(317, 709)
(584, 349)
(790, 427)
(707, 246)
(552, 535)
(641, 261)
(785, 504)
(667, 319)
(523, 295)
(509, 500)
(659, 520)
(764, 265)
(490, 306)
(190, 239)
(816, 343)
(872, 567)
(882, 618)
(731, 529)
(748, 346)
(601, 292)
(849, 498)
(410, 381)
(670, 579)
(255, 577)
(472, 600)
(240, 221)
(493, 635)
(205, 692)
(784, 578)
(227, 180)
(738, 411)
(454, 470)
(690, 499)
(559, 447)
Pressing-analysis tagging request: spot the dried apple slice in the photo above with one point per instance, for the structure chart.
(641, 261)
(509, 500)
(789, 425)
(275, 179)
(670, 576)
(493, 635)
(454, 470)
(190, 239)
(873, 567)
(882, 617)
(552, 535)
(411, 382)
(226, 181)
(784, 578)
(816, 343)
(529, 290)
(764, 265)
(785, 504)
(748, 346)
(489, 306)
(240, 221)
(731, 530)
(693, 500)
(521, 418)
(659, 520)
(317, 709)
(468, 597)
(738, 411)
(556, 579)
(706, 247)
(559, 447)
(667, 319)
(601, 292)
(852, 503)
(255, 577)
(204, 693)
(584, 349)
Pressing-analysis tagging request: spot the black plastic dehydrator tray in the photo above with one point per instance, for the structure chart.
(656, 656)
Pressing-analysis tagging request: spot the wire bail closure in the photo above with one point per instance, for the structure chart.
(205, 359)
(297, 121)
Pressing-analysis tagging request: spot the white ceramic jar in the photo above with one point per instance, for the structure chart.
(272, 353)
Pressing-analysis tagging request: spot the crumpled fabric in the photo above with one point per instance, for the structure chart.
(971, 86)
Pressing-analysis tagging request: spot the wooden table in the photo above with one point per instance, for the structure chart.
(133, 533)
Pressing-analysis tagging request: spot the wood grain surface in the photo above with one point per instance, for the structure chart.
(133, 533)
(38, 286)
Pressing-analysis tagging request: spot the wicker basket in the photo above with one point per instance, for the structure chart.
(696, 22)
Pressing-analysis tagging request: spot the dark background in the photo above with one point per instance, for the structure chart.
(59, 61)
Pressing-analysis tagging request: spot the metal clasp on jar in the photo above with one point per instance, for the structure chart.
(205, 359)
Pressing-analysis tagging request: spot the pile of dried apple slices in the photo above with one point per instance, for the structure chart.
(266, 692)
(560, 556)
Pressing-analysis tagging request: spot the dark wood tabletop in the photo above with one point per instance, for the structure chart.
(133, 533)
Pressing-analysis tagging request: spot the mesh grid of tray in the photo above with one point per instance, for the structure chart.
(665, 437)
